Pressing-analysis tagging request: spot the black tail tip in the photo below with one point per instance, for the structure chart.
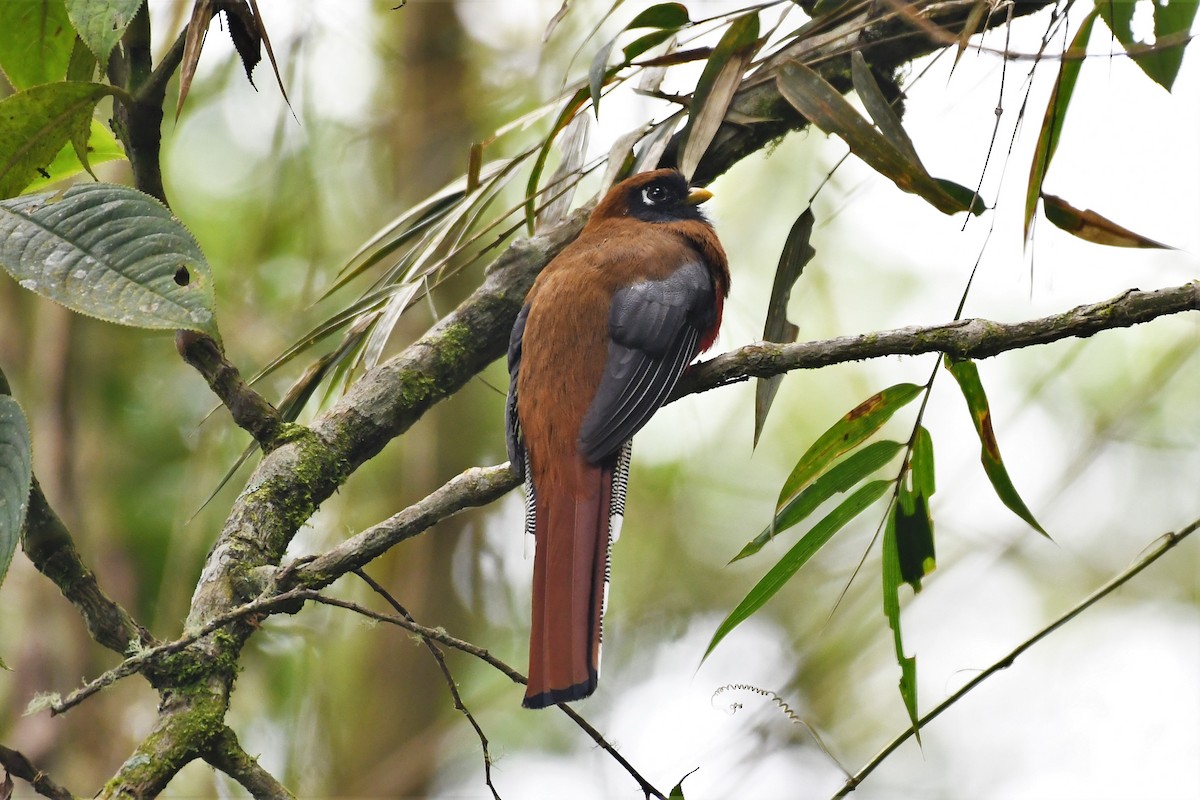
(551, 697)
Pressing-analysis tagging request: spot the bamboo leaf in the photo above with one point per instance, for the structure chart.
(110, 252)
(892, 579)
(880, 109)
(837, 480)
(798, 556)
(914, 525)
(714, 91)
(844, 435)
(797, 252)
(663, 15)
(1092, 227)
(1172, 19)
(568, 112)
(967, 375)
(824, 106)
(36, 123)
(16, 476)
(1056, 114)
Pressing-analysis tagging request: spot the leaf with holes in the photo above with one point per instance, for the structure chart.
(914, 525)
(892, 578)
(16, 476)
(36, 123)
(798, 556)
(1172, 21)
(35, 42)
(101, 23)
(967, 376)
(110, 252)
(796, 253)
(1056, 113)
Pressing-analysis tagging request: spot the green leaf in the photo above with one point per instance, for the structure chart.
(16, 476)
(1093, 227)
(102, 147)
(645, 42)
(102, 23)
(824, 106)
(798, 556)
(967, 376)
(564, 117)
(110, 252)
(796, 253)
(714, 91)
(837, 480)
(914, 525)
(677, 791)
(36, 123)
(844, 435)
(880, 109)
(663, 15)
(35, 41)
(1056, 113)
(598, 73)
(1172, 20)
(891, 608)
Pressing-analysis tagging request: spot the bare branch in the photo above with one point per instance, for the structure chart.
(16, 763)
(250, 411)
(1164, 544)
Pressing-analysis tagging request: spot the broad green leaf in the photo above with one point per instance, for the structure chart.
(82, 66)
(35, 41)
(102, 23)
(16, 476)
(914, 525)
(1172, 21)
(109, 252)
(714, 91)
(967, 376)
(824, 106)
(798, 556)
(796, 253)
(892, 579)
(837, 480)
(1092, 227)
(847, 433)
(102, 146)
(1056, 113)
(663, 15)
(36, 123)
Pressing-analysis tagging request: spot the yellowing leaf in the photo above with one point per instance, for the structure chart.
(1092, 227)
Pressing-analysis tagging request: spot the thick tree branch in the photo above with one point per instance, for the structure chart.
(227, 755)
(17, 764)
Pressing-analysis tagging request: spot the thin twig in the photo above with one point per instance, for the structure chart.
(15, 763)
(1164, 543)
(438, 657)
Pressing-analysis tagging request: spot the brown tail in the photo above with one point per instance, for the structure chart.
(570, 568)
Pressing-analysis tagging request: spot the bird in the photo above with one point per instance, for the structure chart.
(606, 331)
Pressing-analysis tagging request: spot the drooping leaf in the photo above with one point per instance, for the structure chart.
(36, 123)
(193, 44)
(892, 579)
(914, 525)
(798, 556)
(645, 42)
(677, 790)
(35, 42)
(880, 109)
(797, 251)
(16, 475)
(102, 147)
(840, 478)
(844, 435)
(573, 146)
(714, 91)
(971, 27)
(662, 15)
(1092, 227)
(668, 17)
(1172, 22)
(824, 106)
(573, 104)
(1056, 113)
(110, 252)
(247, 31)
(102, 23)
(967, 375)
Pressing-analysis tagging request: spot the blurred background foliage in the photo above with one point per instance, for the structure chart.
(1102, 437)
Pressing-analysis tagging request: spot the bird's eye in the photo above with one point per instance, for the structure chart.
(653, 195)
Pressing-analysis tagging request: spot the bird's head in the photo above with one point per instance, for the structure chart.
(659, 196)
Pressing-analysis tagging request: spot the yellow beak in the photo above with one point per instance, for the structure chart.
(696, 196)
